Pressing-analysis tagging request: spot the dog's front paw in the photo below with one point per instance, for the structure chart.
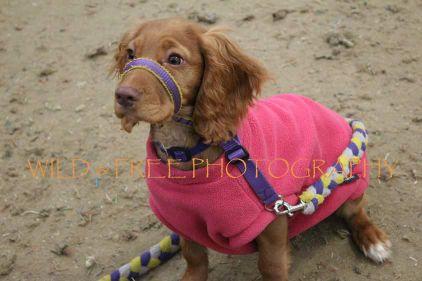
(374, 243)
(378, 252)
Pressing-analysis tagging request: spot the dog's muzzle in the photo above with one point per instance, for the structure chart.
(163, 76)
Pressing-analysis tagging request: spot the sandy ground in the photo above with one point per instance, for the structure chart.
(361, 58)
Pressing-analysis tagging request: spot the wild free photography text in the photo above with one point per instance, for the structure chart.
(77, 168)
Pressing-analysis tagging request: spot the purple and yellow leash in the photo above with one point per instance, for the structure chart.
(150, 259)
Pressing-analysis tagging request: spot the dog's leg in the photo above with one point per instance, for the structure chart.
(370, 239)
(273, 247)
(196, 257)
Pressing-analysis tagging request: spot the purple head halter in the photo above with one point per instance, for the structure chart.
(162, 75)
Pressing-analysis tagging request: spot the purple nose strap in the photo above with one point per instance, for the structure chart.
(162, 74)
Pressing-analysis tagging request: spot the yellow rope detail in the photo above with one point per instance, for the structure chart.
(135, 264)
(358, 125)
(357, 141)
(307, 196)
(153, 262)
(355, 160)
(343, 161)
(339, 178)
(320, 198)
(165, 244)
(325, 180)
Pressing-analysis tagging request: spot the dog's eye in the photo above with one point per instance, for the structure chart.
(130, 54)
(175, 59)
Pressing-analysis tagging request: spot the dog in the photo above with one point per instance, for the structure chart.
(198, 91)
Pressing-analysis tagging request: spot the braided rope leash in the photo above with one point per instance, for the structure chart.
(150, 259)
(339, 173)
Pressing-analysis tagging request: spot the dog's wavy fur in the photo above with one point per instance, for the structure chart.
(231, 80)
(230, 76)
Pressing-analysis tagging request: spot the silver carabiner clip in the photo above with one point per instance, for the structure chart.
(281, 207)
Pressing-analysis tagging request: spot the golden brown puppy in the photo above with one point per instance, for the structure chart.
(214, 75)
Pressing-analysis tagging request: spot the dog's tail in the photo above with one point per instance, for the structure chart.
(156, 255)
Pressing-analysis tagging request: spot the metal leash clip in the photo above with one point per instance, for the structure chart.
(281, 207)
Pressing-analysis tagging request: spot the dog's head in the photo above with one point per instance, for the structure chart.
(215, 76)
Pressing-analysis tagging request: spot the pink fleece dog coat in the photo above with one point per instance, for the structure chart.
(292, 139)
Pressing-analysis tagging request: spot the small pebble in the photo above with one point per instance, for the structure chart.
(337, 39)
(81, 84)
(248, 18)
(52, 107)
(280, 14)
(100, 51)
(407, 79)
(208, 18)
(417, 119)
(44, 213)
(129, 235)
(343, 233)
(408, 60)
(393, 9)
(357, 270)
(90, 262)
(405, 238)
(61, 249)
(324, 55)
(46, 72)
(80, 108)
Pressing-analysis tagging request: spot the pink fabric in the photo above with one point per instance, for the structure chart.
(222, 212)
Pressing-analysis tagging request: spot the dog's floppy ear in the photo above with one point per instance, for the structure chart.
(230, 82)
(120, 54)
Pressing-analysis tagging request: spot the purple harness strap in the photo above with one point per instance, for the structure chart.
(272, 201)
(162, 74)
(239, 156)
(183, 154)
(182, 120)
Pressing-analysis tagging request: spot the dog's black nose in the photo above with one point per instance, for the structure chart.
(126, 96)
